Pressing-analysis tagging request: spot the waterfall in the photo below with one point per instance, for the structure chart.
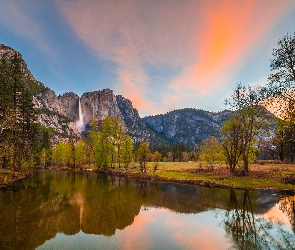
(80, 123)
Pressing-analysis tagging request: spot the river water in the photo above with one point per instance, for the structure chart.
(68, 210)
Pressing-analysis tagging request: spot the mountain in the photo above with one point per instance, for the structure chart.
(60, 113)
(187, 125)
(50, 113)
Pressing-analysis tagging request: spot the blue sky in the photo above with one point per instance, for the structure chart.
(162, 55)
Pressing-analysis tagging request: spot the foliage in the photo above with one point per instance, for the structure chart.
(143, 155)
(110, 142)
(211, 151)
(281, 85)
(80, 153)
(283, 66)
(18, 128)
(241, 131)
(127, 151)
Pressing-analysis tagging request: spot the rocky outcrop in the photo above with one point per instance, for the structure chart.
(47, 99)
(99, 104)
(59, 114)
(9, 53)
(187, 125)
(69, 105)
(52, 114)
(136, 128)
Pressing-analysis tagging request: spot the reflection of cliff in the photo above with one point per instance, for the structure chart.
(113, 205)
(65, 203)
(68, 202)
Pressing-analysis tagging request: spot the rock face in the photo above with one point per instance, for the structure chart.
(52, 110)
(187, 125)
(54, 115)
(100, 104)
(136, 128)
(9, 53)
(59, 113)
(69, 105)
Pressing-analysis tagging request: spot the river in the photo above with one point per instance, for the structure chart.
(71, 210)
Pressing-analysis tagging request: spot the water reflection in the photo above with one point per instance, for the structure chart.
(250, 231)
(86, 210)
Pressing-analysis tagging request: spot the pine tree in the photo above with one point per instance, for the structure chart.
(17, 114)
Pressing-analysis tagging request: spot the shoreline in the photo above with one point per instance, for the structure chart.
(11, 178)
(218, 182)
(146, 177)
(276, 177)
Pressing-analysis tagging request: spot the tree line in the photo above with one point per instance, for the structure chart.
(23, 142)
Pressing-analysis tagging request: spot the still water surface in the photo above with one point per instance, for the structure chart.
(67, 210)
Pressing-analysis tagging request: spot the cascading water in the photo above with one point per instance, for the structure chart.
(80, 123)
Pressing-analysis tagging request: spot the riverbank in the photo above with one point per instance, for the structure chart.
(8, 177)
(266, 176)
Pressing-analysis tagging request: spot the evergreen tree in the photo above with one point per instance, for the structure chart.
(18, 127)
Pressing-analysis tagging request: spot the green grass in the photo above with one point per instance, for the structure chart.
(261, 176)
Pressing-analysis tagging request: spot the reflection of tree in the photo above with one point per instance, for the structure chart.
(287, 205)
(68, 202)
(249, 231)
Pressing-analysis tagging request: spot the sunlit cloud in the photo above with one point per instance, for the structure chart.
(208, 41)
(140, 239)
(231, 31)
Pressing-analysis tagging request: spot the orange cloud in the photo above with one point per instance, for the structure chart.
(230, 32)
(209, 40)
(276, 214)
(188, 235)
(140, 239)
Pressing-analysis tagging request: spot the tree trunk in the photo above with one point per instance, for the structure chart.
(282, 151)
(246, 164)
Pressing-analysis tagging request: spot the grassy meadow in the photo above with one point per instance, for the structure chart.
(265, 175)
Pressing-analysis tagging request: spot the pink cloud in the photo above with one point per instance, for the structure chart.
(140, 239)
(230, 32)
(209, 40)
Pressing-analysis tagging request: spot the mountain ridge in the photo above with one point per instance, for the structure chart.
(60, 113)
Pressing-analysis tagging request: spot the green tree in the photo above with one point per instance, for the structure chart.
(249, 120)
(107, 141)
(283, 77)
(81, 153)
(118, 133)
(127, 151)
(231, 143)
(156, 157)
(18, 127)
(211, 152)
(143, 153)
(281, 85)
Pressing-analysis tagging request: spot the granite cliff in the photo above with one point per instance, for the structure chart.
(51, 111)
(60, 114)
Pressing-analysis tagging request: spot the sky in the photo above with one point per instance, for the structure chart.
(160, 54)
